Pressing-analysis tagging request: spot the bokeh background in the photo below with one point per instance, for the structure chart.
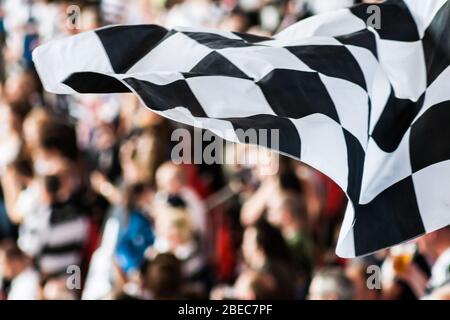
(92, 207)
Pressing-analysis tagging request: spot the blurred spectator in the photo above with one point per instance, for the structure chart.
(288, 212)
(137, 233)
(175, 234)
(264, 249)
(162, 277)
(60, 232)
(23, 281)
(171, 180)
(357, 272)
(331, 284)
(436, 248)
(56, 289)
(251, 285)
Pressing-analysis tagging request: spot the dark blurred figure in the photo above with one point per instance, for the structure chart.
(288, 212)
(162, 277)
(264, 249)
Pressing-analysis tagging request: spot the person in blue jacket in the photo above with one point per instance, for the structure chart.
(136, 233)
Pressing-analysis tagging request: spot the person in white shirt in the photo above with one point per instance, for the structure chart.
(171, 180)
(17, 268)
(436, 248)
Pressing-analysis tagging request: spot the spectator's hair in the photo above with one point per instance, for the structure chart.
(270, 240)
(171, 3)
(178, 172)
(23, 166)
(179, 220)
(175, 201)
(238, 12)
(38, 116)
(288, 179)
(20, 109)
(296, 205)
(264, 286)
(163, 276)
(61, 137)
(333, 281)
(133, 192)
(290, 182)
(11, 250)
(52, 184)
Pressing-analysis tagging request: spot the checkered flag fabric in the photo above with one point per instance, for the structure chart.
(368, 107)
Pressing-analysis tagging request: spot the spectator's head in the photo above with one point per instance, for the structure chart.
(58, 139)
(56, 150)
(90, 19)
(58, 187)
(432, 245)
(142, 118)
(288, 180)
(174, 225)
(17, 112)
(105, 136)
(20, 86)
(356, 271)
(57, 289)
(32, 125)
(162, 276)
(237, 21)
(138, 197)
(22, 169)
(12, 260)
(51, 186)
(331, 284)
(287, 211)
(262, 243)
(267, 162)
(170, 178)
(255, 285)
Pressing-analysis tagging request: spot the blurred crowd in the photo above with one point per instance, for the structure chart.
(92, 207)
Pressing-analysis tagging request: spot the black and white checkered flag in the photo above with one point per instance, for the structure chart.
(368, 107)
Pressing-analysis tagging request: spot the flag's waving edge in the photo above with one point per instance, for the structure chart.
(367, 107)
